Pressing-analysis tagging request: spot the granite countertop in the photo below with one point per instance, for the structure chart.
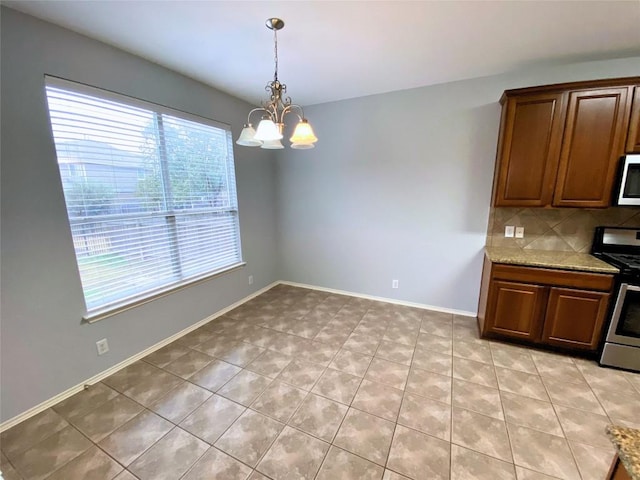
(549, 259)
(627, 443)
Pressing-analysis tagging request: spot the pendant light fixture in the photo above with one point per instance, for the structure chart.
(270, 129)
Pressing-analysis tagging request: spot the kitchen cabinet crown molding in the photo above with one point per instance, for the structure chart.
(580, 85)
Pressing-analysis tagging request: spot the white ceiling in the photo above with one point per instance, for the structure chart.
(332, 50)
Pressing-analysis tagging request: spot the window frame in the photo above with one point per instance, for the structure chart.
(147, 295)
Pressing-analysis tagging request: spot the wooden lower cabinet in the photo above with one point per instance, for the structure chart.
(618, 471)
(574, 318)
(558, 308)
(516, 309)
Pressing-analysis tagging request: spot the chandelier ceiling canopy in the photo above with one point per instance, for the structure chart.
(271, 127)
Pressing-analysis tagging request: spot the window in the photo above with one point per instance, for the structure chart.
(150, 194)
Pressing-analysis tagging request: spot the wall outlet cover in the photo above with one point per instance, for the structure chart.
(394, 283)
(519, 232)
(250, 279)
(102, 346)
(509, 231)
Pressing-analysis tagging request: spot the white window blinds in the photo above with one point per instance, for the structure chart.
(150, 194)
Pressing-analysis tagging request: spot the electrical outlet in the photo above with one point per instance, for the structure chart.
(519, 232)
(508, 231)
(394, 283)
(102, 346)
(250, 279)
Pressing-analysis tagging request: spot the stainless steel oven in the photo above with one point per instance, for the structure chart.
(622, 345)
(620, 246)
(625, 322)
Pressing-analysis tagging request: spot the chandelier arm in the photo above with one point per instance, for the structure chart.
(272, 110)
(252, 111)
(289, 109)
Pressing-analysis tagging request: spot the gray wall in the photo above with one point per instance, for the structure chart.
(45, 349)
(399, 187)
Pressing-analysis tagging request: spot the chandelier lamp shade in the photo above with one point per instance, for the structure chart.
(269, 132)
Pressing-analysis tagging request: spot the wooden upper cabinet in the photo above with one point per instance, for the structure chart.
(633, 140)
(529, 149)
(574, 318)
(595, 132)
(559, 145)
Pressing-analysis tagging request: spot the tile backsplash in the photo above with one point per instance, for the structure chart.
(565, 229)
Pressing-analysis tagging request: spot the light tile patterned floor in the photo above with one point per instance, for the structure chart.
(301, 384)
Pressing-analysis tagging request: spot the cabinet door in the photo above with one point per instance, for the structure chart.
(529, 150)
(618, 471)
(593, 141)
(574, 318)
(515, 310)
(633, 140)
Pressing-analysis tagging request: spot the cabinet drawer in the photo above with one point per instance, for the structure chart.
(552, 277)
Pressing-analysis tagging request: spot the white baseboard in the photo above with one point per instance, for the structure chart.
(96, 378)
(382, 299)
(104, 374)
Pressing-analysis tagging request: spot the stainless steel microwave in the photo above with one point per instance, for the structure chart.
(629, 193)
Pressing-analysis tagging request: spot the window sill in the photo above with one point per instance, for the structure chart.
(114, 309)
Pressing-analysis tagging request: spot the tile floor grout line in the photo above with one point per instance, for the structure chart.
(69, 424)
(395, 426)
(324, 459)
(349, 407)
(23, 450)
(504, 415)
(114, 459)
(225, 430)
(153, 444)
(517, 424)
(261, 456)
(231, 456)
(91, 410)
(264, 454)
(570, 406)
(100, 447)
(557, 418)
(197, 460)
(573, 455)
(286, 424)
(595, 394)
(67, 462)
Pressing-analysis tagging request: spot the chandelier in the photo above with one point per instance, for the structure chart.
(271, 127)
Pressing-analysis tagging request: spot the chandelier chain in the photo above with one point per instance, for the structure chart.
(275, 58)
